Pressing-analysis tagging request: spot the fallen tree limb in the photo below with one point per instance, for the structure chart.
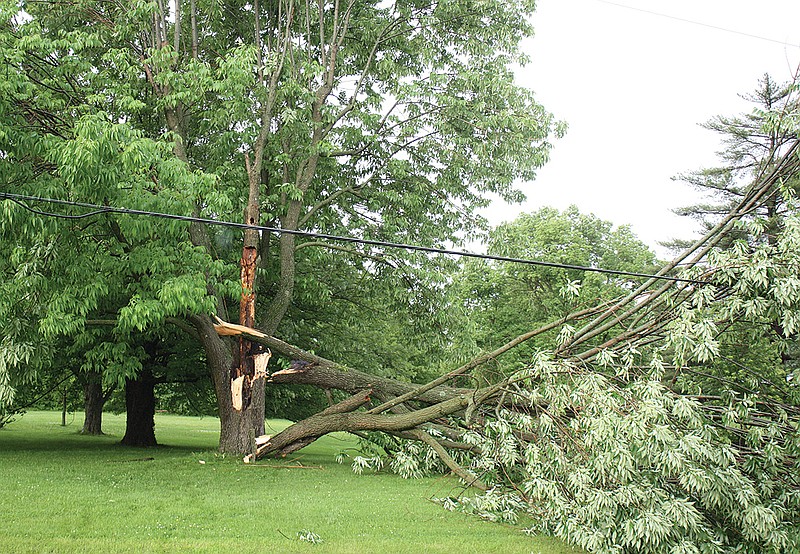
(284, 466)
(319, 371)
(311, 369)
(322, 424)
(347, 405)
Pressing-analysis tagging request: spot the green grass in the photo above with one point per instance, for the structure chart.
(62, 492)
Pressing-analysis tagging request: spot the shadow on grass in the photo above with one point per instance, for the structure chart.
(37, 434)
(16, 442)
(81, 443)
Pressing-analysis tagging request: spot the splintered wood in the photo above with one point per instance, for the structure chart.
(241, 384)
(261, 360)
(236, 392)
(237, 385)
(259, 442)
(225, 329)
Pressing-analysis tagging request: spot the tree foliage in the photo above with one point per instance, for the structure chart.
(372, 119)
(501, 299)
(754, 357)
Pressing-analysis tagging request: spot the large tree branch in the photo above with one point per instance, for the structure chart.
(319, 424)
(347, 405)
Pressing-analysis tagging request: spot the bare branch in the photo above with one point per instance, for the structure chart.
(177, 37)
(193, 8)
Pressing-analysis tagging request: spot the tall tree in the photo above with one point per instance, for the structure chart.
(752, 142)
(379, 120)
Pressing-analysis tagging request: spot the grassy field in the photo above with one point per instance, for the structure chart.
(62, 492)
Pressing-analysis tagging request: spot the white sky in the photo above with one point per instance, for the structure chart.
(633, 88)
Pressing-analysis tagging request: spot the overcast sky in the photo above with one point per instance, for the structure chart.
(633, 87)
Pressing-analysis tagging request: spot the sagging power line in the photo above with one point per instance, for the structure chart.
(20, 200)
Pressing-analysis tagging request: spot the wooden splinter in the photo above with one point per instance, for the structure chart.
(225, 329)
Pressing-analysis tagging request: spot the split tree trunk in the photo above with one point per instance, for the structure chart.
(140, 401)
(240, 394)
(235, 426)
(244, 373)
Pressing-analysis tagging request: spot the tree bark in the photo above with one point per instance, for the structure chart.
(325, 374)
(140, 402)
(235, 426)
(324, 423)
(93, 402)
(64, 393)
(280, 302)
(244, 372)
(348, 405)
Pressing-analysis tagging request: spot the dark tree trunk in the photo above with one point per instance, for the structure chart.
(93, 402)
(140, 402)
(64, 393)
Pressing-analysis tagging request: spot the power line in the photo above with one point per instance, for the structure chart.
(20, 200)
(700, 23)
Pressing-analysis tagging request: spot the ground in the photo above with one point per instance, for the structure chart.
(63, 492)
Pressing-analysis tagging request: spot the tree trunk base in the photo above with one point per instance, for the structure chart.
(140, 401)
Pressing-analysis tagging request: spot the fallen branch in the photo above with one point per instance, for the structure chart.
(467, 476)
(264, 442)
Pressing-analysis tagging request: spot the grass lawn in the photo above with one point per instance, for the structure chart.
(62, 492)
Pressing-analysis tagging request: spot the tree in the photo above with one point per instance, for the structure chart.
(753, 143)
(384, 121)
(504, 299)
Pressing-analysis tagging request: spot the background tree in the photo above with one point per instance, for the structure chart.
(502, 299)
(751, 143)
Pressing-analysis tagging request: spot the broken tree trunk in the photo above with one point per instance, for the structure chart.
(235, 425)
(243, 375)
